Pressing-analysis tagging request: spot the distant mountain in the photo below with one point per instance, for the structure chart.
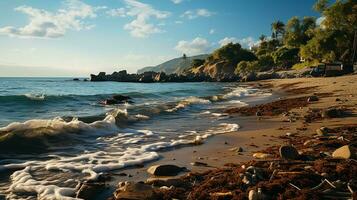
(177, 65)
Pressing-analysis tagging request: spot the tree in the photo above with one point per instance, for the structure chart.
(286, 57)
(298, 32)
(197, 62)
(262, 38)
(245, 67)
(184, 56)
(277, 29)
(232, 54)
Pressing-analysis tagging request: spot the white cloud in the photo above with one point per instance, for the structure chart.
(118, 12)
(227, 40)
(212, 31)
(177, 1)
(178, 22)
(194, 47)
(142, 13)
(192, 14)
(247, 42)
(45, 24)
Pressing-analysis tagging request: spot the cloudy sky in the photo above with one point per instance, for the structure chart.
(79, 37)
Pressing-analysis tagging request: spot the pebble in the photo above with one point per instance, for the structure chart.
(262, 155)
(342, 152)
(288, 152)
(322, 131)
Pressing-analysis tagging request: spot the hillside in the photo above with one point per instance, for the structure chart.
(177, 65)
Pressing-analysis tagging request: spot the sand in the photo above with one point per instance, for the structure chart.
(258, 133)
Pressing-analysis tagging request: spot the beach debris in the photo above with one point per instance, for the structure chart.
(199, 164)
(256, 195)
(165, 170)
(288, 152)
(262, 155)
(342, 152)
(323, 131)
(133, 191)
(236, 149)
(221, 195)
(312, 98)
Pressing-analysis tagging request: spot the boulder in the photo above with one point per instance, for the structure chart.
(342, 152)
(165, 170)
(133, 191)
(288, 152)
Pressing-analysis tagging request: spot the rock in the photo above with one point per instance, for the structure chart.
(312, 98)
(332, 113)
(133, 191)
(89, 191)
(76, 79)
(121, 98)
(262, 155)
(254, 195)
(290, 134)
(201, 164)
(342, 152)
(323, 131)
(159, 182)
(338, 99)
(165, 170)
(240, 149)
(236, 149)
(288, 152)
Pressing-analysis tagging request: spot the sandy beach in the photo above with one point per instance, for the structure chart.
(261, 132)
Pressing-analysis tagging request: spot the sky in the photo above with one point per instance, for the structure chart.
(80, 37)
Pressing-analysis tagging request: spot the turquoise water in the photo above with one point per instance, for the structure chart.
(56, 127)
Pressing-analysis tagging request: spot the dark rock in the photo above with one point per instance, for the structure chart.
(332, 113)
(288, 152)
(312, 98)
(159, 182)
(323, 131)
(76, 79)
(338, 99)
(122, 98)
(165, 170)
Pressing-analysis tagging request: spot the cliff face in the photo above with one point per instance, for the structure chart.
(218, 70)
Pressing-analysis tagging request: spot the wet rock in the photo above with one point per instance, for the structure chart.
(256, 195)
(89, 191)
(262, 155)
(121, 98)
(133, 191)
(312, 98)
(288, 152)
(165, 170)
(342, 152)
(76, 79)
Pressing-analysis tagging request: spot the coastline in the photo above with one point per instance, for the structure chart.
(267, 131)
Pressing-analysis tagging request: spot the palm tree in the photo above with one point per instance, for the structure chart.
(277, 28)
(262, 38)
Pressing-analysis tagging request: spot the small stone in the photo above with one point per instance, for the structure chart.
(338, 99)
(240, 149)
(312, 98)
(332, 113)
(165, 170)
(201, 164)
(90, 190)
(262, 155)
(290, 134)
(322, 131)
(288, 152)
(342, 152)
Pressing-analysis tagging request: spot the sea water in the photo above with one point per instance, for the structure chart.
(55, 133)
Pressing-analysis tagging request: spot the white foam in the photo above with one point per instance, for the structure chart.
(188, 101)
(36, 97)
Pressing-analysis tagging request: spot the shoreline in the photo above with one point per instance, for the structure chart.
(215, 151)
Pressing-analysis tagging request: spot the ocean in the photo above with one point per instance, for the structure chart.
(54, 133)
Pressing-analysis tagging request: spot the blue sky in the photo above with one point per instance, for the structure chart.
(78, 37)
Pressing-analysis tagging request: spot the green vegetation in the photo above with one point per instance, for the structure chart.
(312, 41)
